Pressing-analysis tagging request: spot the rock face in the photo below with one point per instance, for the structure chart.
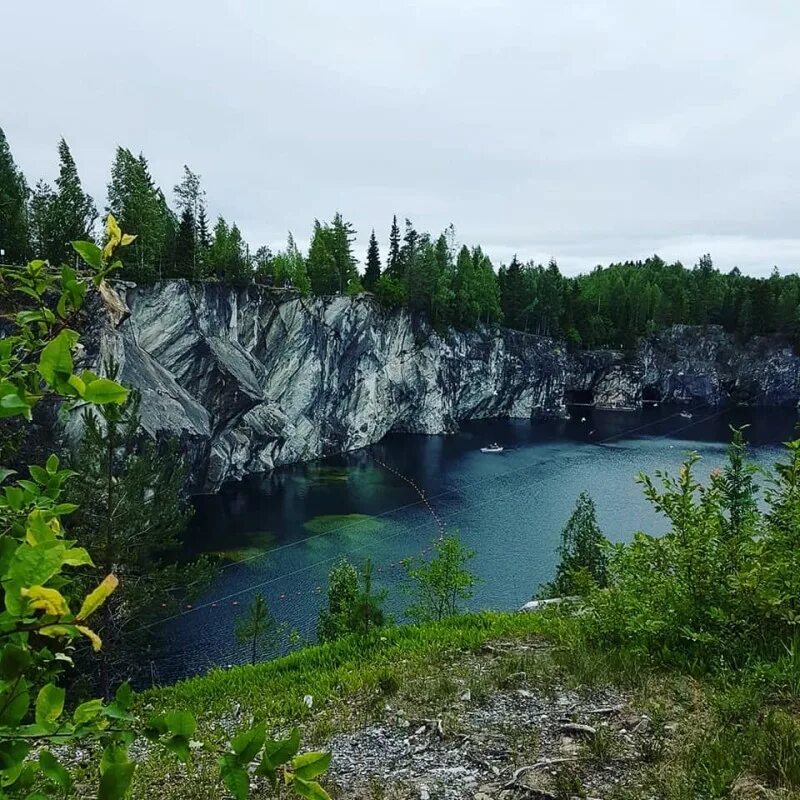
(252, 378)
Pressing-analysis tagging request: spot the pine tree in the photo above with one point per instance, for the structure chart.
(373, 271)
(393, 262)
(13, 199)
(258, 628)
(131, 517)
(75, 212)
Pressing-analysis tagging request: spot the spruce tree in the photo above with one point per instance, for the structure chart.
(583, 563)
(41, 221)
(13, 199)
(75, 212)
(185, 247)
(373, 270)
(393, 261)
(341, 237)
(408, 250)
(141, 209)
(322, 267)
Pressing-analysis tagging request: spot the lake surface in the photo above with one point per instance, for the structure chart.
(281, 533)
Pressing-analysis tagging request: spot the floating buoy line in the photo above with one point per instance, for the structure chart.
(424, 499)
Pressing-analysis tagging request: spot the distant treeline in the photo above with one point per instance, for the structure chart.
(451, 284)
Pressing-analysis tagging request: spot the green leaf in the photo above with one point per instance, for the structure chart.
(247, 744)
(12, 754)
(104, 391)
(14, 703)
(181, 723)
(115, 782)
(35, 565)
(49, 704)
(4, 473)
(87, 711)
(55, 361)
(309, 789)
(54, 771)
(113, 754)
(279, 752)
(236, 780)
(14, 661)
(179, 745)
(90, 253)
(51, 465)
(124, 696)
(78, 557)
(309, 765)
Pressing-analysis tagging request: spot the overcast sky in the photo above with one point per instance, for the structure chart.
(587, 131)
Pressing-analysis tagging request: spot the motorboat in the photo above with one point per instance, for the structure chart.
(492, 448)
(686, 415)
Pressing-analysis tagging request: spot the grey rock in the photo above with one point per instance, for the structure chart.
(252, 378)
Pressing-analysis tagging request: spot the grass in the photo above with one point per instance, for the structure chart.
(733, 735)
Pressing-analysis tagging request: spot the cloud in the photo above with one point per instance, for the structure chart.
(587, 131)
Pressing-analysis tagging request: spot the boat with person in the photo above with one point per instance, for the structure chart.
(493, 448)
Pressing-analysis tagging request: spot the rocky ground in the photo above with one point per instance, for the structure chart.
(523, 739)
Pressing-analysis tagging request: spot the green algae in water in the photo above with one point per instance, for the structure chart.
(344, 523)
(323, 473)
(259, 543)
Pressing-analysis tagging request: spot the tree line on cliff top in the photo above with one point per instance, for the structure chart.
(427, 273)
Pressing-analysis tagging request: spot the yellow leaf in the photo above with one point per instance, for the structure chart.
(108, 250)
(95, 599)
(127, 238)
(48, 600)
(57, 630)
(114, 233)
(96, 641)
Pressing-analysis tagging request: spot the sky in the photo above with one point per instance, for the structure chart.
(585, 131)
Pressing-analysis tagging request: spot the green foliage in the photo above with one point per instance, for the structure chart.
(130, 516)
(353, 606)
(721, 587)
(38, 627)
(13, 197)
(372, 273)
(140, 207)
(583, 560)
(331, 265)
(37, 623)
(258, 628)
(440, 585)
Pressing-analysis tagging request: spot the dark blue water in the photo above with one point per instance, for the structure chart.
(279, 534)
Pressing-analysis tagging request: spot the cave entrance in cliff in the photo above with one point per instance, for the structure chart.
(578, 397)
(651, 395)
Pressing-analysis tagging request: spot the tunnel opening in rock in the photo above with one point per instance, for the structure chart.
(578, 397)
(651, 394)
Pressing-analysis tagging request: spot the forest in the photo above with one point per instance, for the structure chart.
(452, 284)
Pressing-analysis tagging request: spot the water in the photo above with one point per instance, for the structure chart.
(281, 533)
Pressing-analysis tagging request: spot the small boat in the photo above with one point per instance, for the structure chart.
(583, 419)
(492, 448)
(686, 415)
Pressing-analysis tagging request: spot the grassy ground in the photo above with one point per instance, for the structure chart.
(727, 737)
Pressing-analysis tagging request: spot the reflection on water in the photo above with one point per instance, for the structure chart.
(280, 533)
